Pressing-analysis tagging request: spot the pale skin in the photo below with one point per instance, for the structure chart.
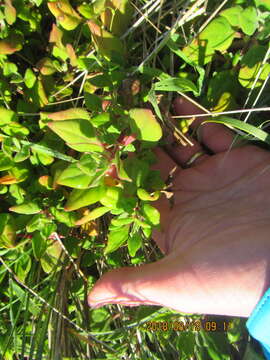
(216, 237)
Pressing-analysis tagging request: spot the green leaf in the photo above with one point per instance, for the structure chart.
(92, 102)
(66, 15)
(10, 12)
(120, 221)
(27, 208)
(101, 119)
(145, 125)
(37, 222)
(176, 84)
(251, 65)
(73, 177)
(116, 238)
(7, 231)
(11, 44)
(137, 169)
(69, 219)
(22, 154)
(14, 129)
(142, 224)
(105, 43)
(39, 245)
(23, 266)
(134, 244)
(117, 16)
(69, 114)
(81, 198)
(10, 69)
(249, 20)
(264, 4)
(151, 214)
(20, 171)
(46, 66)
(145, 196)
(85, 173)
(218, 35)
(17, 192)
(233, 14)
(79, 134)
(94, 214)
(51, 257)
(86, 10)
(238, 124)
(112, 197)
(153, 100)
(5, 162)
(6, 116)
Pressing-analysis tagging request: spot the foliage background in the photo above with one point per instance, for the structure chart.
(83, 86)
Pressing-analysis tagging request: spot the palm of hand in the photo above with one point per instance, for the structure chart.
(216, 235)
(215, 239)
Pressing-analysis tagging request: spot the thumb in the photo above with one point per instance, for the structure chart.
(166, 282)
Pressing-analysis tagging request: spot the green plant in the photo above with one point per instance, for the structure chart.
(82, 105)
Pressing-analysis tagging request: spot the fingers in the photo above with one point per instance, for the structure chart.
(216, 137)
(149, 284)
(183, 154)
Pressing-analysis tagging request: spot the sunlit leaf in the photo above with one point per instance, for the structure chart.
(29, 78)
(14, 128)
(134, 244)
(120, 221)
(5, 162)
(218, 35)
(86, 10)
(112, 196)
(50, 258)
(6, 116)
(19, 171)
(80, 198)
(251, 65)
(11, 44)
(68, 18)
(27, 208)
(101, 119)
(249, 20)
(116, 238)
(151, 214)
(246, 18)
(77, 176)
(46, 66)
(232, 14)
(69, 114)
(264, 4)
(117, 16)
(10, 12)
(92, 215)
(71, 54)
(106, 43)
(145, 196)
(78, 134)
(144, 124)
(7, 231)
(56, 36)
(176, 84)
(8, 179)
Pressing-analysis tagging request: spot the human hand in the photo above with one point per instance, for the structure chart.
(215, 238)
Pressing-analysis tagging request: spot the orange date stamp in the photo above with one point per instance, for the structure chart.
(188, 325)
